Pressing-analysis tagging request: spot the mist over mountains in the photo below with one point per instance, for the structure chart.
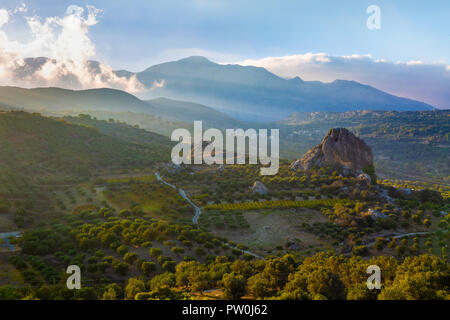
(253, 93)
(246, 93)
(58, 101)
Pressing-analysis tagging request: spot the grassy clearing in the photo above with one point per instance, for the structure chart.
(269, 230)
(154, 198)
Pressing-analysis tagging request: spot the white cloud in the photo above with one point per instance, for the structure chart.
(65, 41)
(4, 17)
(22, 8)
(158, 84)
(414, 79)
(413, 62)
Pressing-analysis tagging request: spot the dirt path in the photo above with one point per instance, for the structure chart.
(6, 236)
(198, 211)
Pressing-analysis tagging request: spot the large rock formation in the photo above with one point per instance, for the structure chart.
(339, 149)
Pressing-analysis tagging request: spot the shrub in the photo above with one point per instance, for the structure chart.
(146, 244)
(130, 257)
(177, 250)
(155, 252)
(148, 268)
(187, 243)
(360, 250)
(122, 250)
(169, 266)
(199, 251)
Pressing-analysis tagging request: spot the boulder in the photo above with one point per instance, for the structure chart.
(364, 178)
(259, 187)
(293, 244)
(374, 214)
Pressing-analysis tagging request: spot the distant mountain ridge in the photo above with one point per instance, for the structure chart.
(253, 93)
(109, 100)
(246, 93)
(57, 99)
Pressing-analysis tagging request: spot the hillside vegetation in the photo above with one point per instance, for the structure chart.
(122, 131)
(406, 145)
(82, 191)
(57, 99)
(37, 146)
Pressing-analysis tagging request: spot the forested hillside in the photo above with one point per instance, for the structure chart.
(34, 146)
(122, 131)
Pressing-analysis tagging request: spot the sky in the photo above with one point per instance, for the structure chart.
(409, 55)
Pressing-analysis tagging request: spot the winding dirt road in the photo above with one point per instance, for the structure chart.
(198, 212)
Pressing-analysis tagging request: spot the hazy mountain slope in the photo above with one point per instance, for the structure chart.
(145, 121)
(122, 131)
(252, 93)
(56, 99)
(189, 112)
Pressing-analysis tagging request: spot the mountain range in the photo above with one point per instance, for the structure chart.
(245, 93)
(253, 93)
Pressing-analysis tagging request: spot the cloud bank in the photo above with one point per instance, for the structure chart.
(68, 52)
(416, 80)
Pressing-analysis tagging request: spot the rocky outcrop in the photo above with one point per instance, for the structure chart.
(340, 149)
(374, 214)
(259, 187)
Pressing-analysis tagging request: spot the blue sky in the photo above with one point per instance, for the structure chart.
(134, 34)
(317, 40)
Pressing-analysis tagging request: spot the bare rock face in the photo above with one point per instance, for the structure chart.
(339, 148)
(259, 187)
